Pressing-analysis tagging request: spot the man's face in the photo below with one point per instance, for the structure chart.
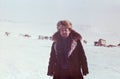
(64, 32)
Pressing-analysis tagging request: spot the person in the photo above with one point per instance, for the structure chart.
(67, 57)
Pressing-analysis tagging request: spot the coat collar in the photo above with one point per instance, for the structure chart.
(72, 48)
(74, 36)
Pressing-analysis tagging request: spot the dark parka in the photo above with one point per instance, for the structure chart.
(76, 58)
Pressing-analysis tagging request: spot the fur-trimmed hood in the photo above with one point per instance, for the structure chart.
(73, 35)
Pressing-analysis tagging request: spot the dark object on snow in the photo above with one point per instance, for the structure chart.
(100, 42)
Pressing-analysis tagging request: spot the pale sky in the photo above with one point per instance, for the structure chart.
(41, 16)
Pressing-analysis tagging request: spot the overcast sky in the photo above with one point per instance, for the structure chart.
(41, 16)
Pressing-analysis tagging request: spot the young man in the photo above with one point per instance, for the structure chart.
(67, 57)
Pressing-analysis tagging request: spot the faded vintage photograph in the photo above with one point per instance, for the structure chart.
(59, 39)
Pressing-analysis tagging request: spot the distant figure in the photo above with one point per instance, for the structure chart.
(67, 57)
(7, 33)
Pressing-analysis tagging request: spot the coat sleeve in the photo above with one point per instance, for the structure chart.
(51, 61)
(83, 59)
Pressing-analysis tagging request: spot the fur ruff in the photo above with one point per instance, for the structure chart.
(73, 35)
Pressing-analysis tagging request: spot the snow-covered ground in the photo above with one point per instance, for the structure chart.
(27, 58)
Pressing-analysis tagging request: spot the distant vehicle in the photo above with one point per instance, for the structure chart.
(100, 42)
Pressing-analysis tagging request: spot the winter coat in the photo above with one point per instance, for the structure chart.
(73, 64)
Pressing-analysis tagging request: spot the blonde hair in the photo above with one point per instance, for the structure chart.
(64, 24)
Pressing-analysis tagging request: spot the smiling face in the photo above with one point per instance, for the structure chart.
(65, 32)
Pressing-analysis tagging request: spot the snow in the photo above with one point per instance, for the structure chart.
(103, 62)
(27, 58)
